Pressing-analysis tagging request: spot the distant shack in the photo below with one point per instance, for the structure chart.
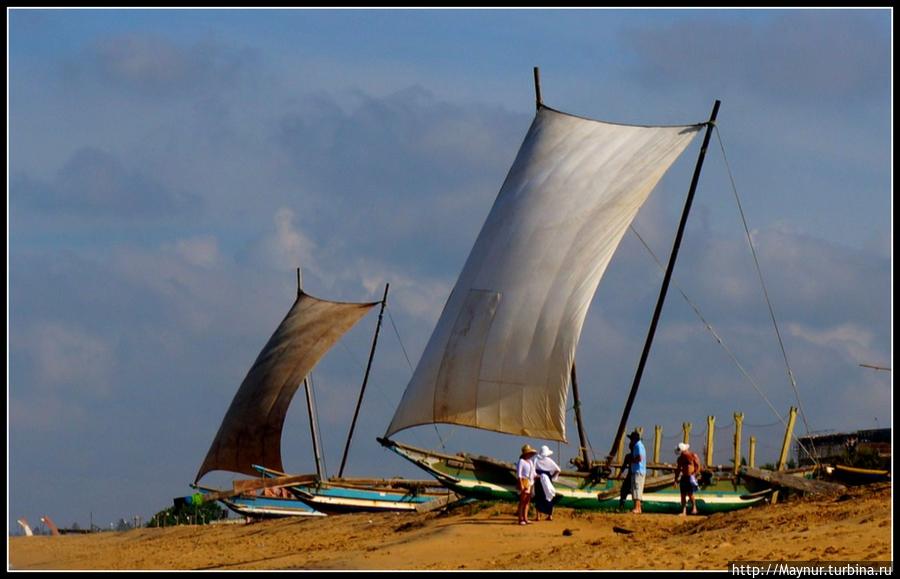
(844, 447)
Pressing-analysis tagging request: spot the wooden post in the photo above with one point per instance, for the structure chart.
(738, 425)
(751, 453)
(788, 434)
(657, 442)
(362, 390)
(686, 430)
(666, 278)
(582, 439)
(620, 453)
(710, 439)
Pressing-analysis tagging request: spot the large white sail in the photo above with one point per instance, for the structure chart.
(251, 430)
(500, 355)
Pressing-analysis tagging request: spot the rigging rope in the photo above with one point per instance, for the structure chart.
(762, 425)
(765, 291)
(717, 337)
(374, 384)
(356, 359)
(402, 347)
(411, 371)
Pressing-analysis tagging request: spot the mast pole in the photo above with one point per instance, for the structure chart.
(538, 103)
(665, 284)
(314, 428)
(362, 390)
(311, 411)
(586, 461)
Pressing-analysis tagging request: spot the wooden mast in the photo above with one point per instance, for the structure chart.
(310, 407)
(585, 458)
(314, 428)
(665, 284)
(538, 102)
(362, 390)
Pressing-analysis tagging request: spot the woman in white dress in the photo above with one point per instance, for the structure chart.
(547, 471)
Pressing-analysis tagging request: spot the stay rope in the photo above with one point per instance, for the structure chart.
(762, 282)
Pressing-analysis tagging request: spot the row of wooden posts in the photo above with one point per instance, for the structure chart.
(710, 432)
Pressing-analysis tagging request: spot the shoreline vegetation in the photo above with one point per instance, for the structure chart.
(855, 526)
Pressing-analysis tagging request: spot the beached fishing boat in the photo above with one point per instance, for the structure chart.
(249, 438)
(502, 354)
(853, 476)
(262, 506)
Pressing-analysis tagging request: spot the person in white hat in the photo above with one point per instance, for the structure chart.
(525, 474)
(544, 493)
(687, 469)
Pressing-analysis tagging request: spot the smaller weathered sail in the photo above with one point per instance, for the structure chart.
(251, 430)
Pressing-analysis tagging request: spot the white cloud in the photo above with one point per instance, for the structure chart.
(66, 357)
(420, 297)
(201, 251)
(285, 246)
(848, 339)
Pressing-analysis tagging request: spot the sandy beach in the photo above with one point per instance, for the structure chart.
(854, 526)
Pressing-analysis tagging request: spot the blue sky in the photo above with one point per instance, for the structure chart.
(168, 169)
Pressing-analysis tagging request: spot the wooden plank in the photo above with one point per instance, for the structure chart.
(393, 482)
(247, 485)
(797, 483)
(437, 503)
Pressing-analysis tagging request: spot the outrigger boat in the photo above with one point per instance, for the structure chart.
(502, 354)
(249, 438)
(853, 476)
(264, 506)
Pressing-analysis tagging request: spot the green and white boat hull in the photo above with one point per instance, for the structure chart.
(487, 479)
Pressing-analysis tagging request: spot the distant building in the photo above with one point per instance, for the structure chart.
(838, 447)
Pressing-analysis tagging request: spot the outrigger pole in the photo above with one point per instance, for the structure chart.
(665, 284)
(362, 390)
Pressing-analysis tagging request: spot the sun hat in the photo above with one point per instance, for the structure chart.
(545, 451)
(528, 449)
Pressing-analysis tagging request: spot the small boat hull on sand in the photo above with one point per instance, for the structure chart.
(347, 496)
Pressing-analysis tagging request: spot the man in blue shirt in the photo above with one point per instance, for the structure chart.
(638, 469)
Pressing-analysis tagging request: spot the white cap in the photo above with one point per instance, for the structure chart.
(682, 446)
(545, 451)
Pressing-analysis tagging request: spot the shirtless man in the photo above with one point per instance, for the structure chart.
(688, 467)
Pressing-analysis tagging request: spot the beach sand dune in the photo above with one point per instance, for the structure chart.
(855, 526)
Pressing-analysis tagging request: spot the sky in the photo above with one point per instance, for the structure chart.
(169, 169)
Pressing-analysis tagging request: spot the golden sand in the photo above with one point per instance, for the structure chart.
(856, 526)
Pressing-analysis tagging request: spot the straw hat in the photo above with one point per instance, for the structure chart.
(545, 451)
(528, 449)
